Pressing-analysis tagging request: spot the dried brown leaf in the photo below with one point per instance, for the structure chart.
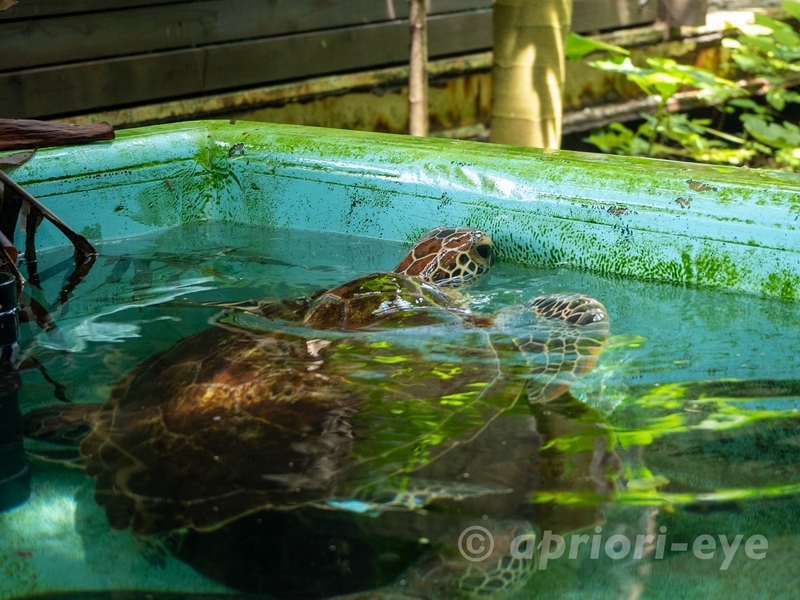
(16, 159)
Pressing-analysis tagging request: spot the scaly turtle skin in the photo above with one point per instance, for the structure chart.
(448, 256)
(236, 420)
(444, 257)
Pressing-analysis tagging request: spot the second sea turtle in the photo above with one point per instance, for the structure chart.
(384, 399)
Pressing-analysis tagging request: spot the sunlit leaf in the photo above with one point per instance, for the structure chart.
(789, 157)
(782, 32)
(624, 66)
(578, 46)
(732, 43)
(761, 43)
(730, 156)
(689, 74)
(792, 7)
(769, 23)
(749, 62)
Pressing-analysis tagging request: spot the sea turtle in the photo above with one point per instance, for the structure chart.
(312, 417)
(441, 259)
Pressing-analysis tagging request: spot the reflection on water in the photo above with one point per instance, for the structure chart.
(670, 469)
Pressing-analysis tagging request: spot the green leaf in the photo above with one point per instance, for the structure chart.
(772, 24)
(787, 38)
(749, 62)
(782, 32)
(763, 44)
(791, 96)
(775, 99)
(657, 83)
(748, 104)
(731, 43)
(647, 79)
(789, 157)
(578, 46)
(777, 135)
(688, 74)
(622, 66)
(793, 8)
(731, 156)
(616, 138)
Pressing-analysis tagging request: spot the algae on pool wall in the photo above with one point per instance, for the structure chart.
(643, 218)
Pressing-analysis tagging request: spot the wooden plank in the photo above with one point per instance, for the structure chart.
(59, 40)
(596, 15)
(28, 9)
(462, 85)
(343, 50)
(36, 9)
(77, 88)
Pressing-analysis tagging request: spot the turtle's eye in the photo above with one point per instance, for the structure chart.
(484, 251)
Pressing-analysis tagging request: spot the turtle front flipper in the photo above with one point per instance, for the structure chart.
(560, 336)
(411, 493)
(495, 561)
(63, 424)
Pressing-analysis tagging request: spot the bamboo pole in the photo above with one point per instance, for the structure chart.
(418, 70)
(528, 71)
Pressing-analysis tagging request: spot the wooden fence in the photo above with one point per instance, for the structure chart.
(65, 57)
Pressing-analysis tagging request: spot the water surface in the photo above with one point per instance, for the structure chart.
(696, 395)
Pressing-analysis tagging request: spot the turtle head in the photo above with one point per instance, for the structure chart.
(449, 256)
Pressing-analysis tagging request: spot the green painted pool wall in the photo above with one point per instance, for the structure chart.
(654, 219)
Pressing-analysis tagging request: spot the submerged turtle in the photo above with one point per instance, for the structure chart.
(240, 419)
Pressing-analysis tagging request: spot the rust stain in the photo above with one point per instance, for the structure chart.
(169, 184)
(714, 58)
(618, 211)
(698, 186)
(382, 125)
(468, 83)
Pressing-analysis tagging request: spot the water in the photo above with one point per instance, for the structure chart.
(694, 400)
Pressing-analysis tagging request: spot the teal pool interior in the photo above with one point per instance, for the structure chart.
(655, 220)
(698, 389)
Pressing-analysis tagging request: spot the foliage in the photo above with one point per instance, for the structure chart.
(769, 53)
(578, 46)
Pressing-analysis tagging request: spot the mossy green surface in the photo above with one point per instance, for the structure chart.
(636, 217)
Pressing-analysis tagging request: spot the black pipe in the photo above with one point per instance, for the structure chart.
(15, 470)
